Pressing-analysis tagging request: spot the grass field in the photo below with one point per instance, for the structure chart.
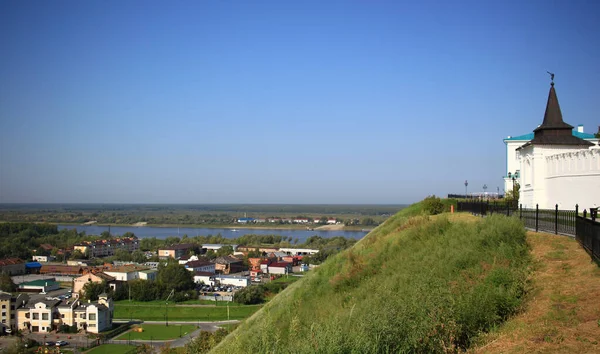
(158, 332)
(562, 314)
(111, 349)
(156, 312)
(207, 303)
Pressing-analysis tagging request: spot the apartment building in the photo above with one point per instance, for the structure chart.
(105, 248)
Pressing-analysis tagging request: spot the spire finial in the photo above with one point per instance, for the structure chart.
(551, 78)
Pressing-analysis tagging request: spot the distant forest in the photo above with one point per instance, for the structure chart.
(185, 214)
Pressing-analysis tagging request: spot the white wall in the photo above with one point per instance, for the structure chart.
(574, 178)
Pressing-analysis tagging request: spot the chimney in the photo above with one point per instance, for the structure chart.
(580, 128)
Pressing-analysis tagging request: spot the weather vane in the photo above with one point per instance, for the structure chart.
(551, 78)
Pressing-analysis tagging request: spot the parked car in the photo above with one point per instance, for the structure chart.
(49, 343)
(61, 343)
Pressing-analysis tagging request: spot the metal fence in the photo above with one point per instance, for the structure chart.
(561, 222)
(588, 235)
(555, 221)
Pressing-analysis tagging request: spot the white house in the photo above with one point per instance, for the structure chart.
(125, 273)
(279, 268)
(200, 266)
(557, 166)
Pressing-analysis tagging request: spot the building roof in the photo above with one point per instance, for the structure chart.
(527, 137)
(61, 269)
(10, 261)
(180, 246)
(127, 269)
(553, 130)
(203, 274)
(198, 263)
(280, 264)
(5, 296)
(46, 246)
(226, 260)
(33, 265)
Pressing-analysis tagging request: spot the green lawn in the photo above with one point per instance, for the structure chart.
(188, 302)
(111, 349)
(158, 332)
(183, 313)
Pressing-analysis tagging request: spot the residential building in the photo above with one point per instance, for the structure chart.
(558, 166)
(245, 220)
(300, 221)
(79, 282)
(104, 248)
(331, 221)
(175, 251)
(46, 315)
(201, 266)
(148, 274)
(12, 266)
(279, 268)
(298, 251)
(228, 265)
(126, 273)
(216, 247)
(43, 259)
(9, 304)
(206, 278)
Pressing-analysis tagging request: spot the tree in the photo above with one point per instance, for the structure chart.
(138, 256)
(6, 283)
(123, 255)
(174, 276)
(368, 222)
(250, 295)
(77, 254)
(224, 251)
(433, 205)
(513, 195)
(92, 290)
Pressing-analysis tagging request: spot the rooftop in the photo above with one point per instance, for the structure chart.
(181, 246)
(127, 269)
(10, 261)
(527, 137)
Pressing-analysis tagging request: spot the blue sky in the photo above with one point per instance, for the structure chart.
(280, 101)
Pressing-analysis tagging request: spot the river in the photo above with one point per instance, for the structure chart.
(164, 232)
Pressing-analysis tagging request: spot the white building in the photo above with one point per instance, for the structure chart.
(125, 273)
(200, 266)
(557, 165)
(212, 279)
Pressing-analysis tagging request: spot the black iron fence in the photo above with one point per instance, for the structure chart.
(564, 222)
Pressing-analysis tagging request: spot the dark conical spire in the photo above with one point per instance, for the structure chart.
(553, 116)
(554, 131)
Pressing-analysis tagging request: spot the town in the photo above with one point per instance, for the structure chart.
(86, 287)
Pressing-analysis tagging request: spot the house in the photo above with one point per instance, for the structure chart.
(9, 304)
(105, 248)
(149, 274)
(125, 273)
(331, 221)
(39, 286)
(300, 221)
(186, 258)
(298, 251)
(79, 282)
(216, 247)
(12, 266)
(43, 259)
(205, 266)
(557, 166)
(279, 268)
(228, 265)
(175, 251)
(277, 255)
(46, 315)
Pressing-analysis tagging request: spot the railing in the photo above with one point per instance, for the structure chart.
(588, 233)
(549, 220)
(564, 222)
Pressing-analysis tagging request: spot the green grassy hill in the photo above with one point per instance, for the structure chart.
(414, 284)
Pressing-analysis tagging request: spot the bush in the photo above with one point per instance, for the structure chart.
(250, 295)
(433, 205)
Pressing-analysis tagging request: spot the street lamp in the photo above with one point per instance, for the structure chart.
(514, 177)
(466, 185)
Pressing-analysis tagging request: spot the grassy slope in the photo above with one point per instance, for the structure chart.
(411, 284)
(563, 308)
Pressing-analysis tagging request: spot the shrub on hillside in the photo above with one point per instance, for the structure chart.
(250, 295)
(433, 205)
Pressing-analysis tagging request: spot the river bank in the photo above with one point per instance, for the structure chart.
(225, 226)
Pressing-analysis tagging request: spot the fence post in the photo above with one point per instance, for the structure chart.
(584, 213)
(520, 211)
(556, 219)
(537, 214)
(576, 216)
(507, 209)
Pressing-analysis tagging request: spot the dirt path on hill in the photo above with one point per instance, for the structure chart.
(562, 313)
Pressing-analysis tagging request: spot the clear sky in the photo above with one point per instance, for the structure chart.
(280, 101)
